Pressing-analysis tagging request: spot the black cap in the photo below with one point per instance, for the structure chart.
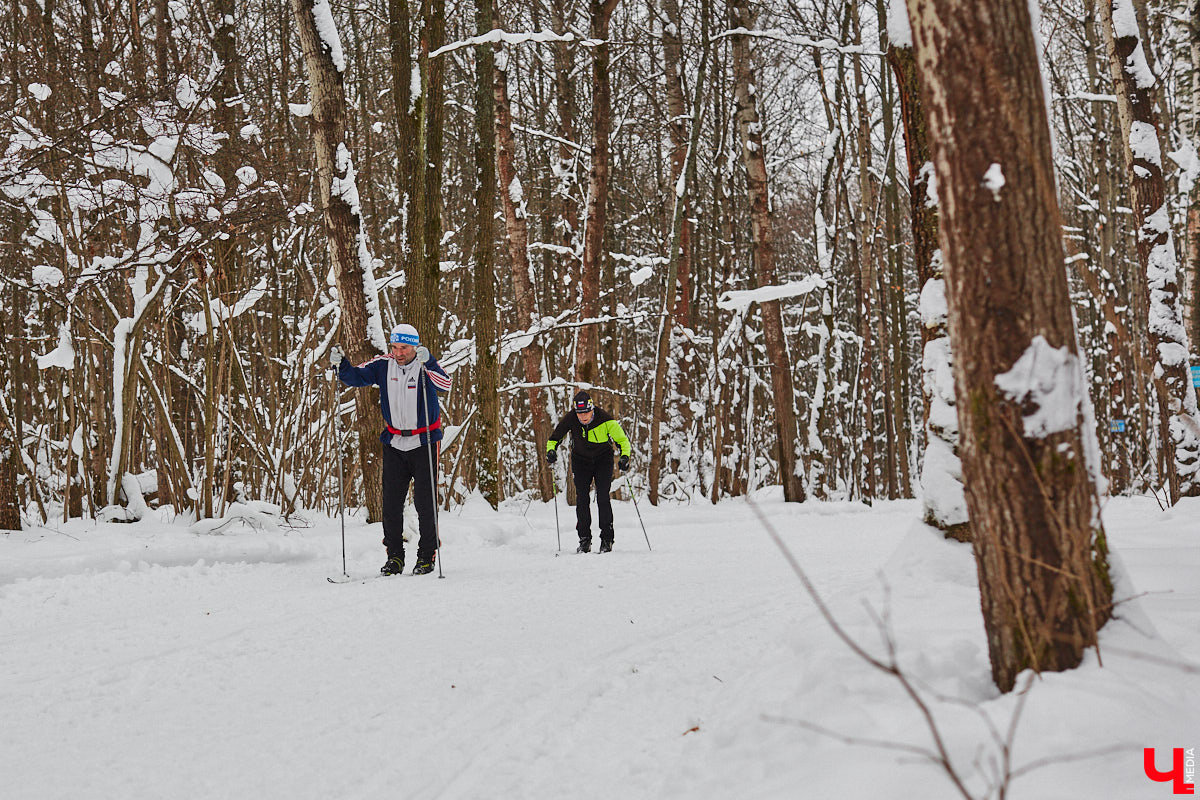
(582, 403)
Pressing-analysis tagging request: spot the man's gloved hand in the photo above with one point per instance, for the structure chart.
(623, 463)
(422, 354)
(336, 354)
(551, 456)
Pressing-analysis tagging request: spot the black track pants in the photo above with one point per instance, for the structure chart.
(601, 472)
(401, 467)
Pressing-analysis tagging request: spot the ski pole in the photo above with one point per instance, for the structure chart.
(554, 486)
(437, 545)
(337, 428)
(639, 513)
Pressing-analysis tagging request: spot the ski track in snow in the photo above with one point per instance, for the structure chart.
(143, 661)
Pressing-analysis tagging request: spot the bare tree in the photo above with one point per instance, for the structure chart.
(487, 425)
(750, 127)
(1029, 454)
(362, 328)
(517, 236)
(588, 349)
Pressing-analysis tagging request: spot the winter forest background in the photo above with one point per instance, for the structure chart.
(200, 198)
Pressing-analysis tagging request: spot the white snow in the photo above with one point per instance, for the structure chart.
(743, 299)
(932, 305)
(1125, 25)
(46, 275)
(1049, 380)
(327, 30)
(642, 275)
(144, 661)
(497, 36)
(993, 181)
(1143, 142)
(40, 91)
(247, 176)
(61, 356)
(187, 92)
(898, 29)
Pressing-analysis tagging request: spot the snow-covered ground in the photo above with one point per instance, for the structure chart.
(146, 661)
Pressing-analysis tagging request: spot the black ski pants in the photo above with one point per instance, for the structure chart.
(586, 471)
(400, 468)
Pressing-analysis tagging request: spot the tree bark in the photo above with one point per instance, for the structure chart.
(487, 425)
(588, 348)
(943, 502)
(423, 291)
(517, 228)
(684, 174)
(1029, 455)
(750, 127)
(1179, 420)
(342, 231)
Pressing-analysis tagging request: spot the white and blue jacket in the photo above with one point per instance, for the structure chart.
(429, 414)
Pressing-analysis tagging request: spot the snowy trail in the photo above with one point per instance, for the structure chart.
(523, 674)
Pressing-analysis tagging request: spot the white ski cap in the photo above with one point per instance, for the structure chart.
(404, 334)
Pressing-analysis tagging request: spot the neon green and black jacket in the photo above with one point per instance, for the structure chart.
(593, 440)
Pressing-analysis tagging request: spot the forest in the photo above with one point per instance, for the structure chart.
(722, 219)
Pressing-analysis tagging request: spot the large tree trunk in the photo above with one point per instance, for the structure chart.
(487, 426)
(750, 126)
(942, 499)
(588, 349)
(1136, 105)
(517, 227)
(362, 328)
(1029, 453)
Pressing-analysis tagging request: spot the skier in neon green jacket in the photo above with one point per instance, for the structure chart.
(593, 432)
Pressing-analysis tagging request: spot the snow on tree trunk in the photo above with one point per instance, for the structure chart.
(1136, 104)
(750, 129)
(944, 505)
(362, 328)
(1029, 453)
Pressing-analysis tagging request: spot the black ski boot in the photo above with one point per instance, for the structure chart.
(424, 566)
(394, 565)
(606, 545)
(585, 546)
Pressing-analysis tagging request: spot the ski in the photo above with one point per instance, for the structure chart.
(360, 579)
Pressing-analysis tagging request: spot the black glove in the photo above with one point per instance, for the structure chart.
(551, 456)
(623, 463)
(335, 356)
